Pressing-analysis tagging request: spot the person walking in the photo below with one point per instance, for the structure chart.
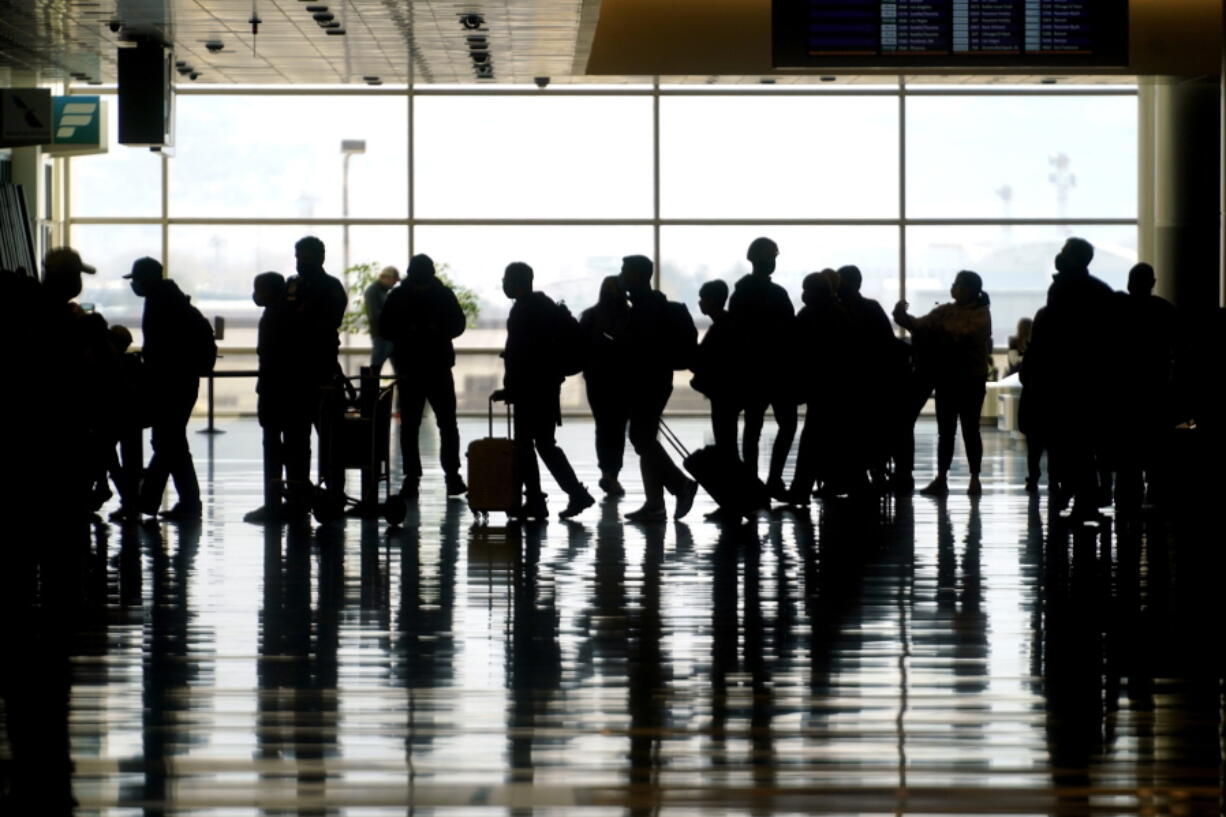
(960, 335)
(604, 376)
(537, 329)
(653, 333)
(177, 347)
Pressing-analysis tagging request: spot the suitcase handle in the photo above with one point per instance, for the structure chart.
(509, 435)
(673, 440)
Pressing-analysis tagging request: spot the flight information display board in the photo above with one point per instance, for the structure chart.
(950, 33)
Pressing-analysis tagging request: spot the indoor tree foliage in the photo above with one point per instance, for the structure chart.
(360, 276)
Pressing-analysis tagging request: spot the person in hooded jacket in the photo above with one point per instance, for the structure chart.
(421, 317)
(605, 379)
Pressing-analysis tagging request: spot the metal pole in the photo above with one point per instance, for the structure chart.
(345, 246)
(211, 428)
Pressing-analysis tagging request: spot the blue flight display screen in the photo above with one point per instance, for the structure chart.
(950, 33)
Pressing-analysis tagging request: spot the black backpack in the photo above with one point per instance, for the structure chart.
(199, 345)
(680, 336)
(570, 345)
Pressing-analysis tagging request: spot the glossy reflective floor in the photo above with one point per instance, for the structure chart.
(920, 656)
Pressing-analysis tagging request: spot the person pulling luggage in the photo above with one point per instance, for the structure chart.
(538, 332)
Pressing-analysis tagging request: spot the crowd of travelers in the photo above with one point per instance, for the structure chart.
(861, 381)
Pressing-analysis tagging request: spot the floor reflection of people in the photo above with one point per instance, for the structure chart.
(648, 679)
(424, 648)
(170, 665)
(298, 718)
(40, 605)
(534, 662)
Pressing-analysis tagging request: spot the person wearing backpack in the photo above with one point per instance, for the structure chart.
(660, 337)
(422, 317)
(541, 338)
(178, 348)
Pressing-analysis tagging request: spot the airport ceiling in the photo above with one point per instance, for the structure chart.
(514, 41)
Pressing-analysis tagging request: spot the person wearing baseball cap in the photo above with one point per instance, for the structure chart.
(62, 269)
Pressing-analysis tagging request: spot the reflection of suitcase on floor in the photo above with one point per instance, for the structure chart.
(493, 474)
(730, 482)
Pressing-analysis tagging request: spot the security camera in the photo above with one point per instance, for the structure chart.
(472, 21)
(115, 26)
(193, 75)
(214, 46)
(541, 82)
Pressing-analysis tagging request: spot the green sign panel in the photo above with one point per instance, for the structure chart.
(76, 120)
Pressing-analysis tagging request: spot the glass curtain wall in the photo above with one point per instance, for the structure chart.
(912, 184)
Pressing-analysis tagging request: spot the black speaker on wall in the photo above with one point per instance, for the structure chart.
(146, 104)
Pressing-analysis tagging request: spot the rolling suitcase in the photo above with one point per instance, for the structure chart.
(493, 473)
(731, 483)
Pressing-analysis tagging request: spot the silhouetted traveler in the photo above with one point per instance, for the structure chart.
(315, 302)
(714, 366)
(763, 321)
(605, 377)
(178, 348)
(1064, 353)
(374, 298)
(537, 332)
(1016, 348)
(654, 336)
(875, 384)
(822, 332)
(281, 407)
(131, 399)
(960, 335)
(1033, 410)
(1146, 362)
(421, 318)
(72, 383)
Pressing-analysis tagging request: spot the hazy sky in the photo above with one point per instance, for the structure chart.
(756, 157)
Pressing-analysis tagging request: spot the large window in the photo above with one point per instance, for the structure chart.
(910, 184)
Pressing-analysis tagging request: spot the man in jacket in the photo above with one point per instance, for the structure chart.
(168, 347)
(533, 383)
(650, 387)
(421, 318)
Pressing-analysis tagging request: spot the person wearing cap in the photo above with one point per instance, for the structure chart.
(67, 384)
(167, 324)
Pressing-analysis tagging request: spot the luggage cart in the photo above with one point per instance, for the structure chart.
(355, 433)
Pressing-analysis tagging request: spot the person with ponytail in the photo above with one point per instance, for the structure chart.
(959, 335)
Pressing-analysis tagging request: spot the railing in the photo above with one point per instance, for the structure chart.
(478, 372)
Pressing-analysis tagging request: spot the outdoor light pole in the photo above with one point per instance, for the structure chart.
(349, 147)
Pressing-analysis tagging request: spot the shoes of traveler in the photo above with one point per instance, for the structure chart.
(685, 499)
(938, 487)
(1032, 485)
(182, 513)
(609, 484)
(975, 488)
(776, 490)
(124, 514)
(262, 515)
(580, 501)
(534, 508)
(797, 499)
(455, 485)
(647, 515)
(409, 489)
(720, 515)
